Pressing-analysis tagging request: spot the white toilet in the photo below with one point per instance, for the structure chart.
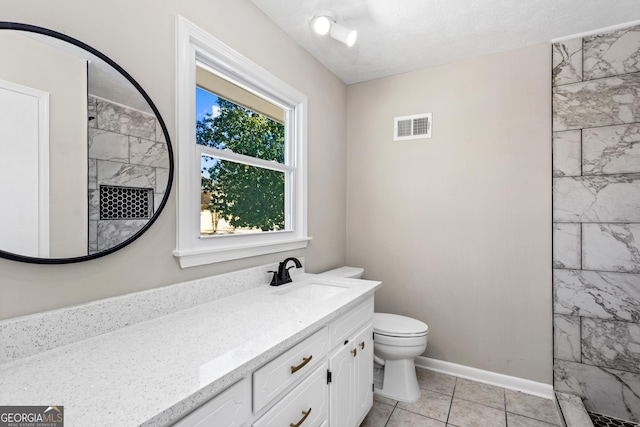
(398, 340)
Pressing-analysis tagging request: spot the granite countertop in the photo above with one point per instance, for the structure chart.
(155, 372)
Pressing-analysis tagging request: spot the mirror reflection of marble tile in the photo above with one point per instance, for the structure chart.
(162, 180)
(612, 53)
(147, 152)
(94, 204)
(106, 145)
(126, 121)
(126, 149)
(611, 149)
(114, 232)
(93, 237)
(125, 175)
(93, 174)
(567, 62)
(92, 111)
(597, 294)
(157, 199)
(159, 133)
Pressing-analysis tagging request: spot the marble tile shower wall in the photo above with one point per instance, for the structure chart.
(596, 220)
(127, 148)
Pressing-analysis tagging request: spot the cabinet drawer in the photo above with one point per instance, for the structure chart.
(289, 367)
(305, 406)
(230, 408)
(350, 322)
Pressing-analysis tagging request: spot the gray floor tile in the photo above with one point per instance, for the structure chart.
(435, 381)
(385, 400)
(532, 407)
(514, 420)
(469, 414)
(480, 393)
(472, 405)
(431, 404)
(378, 415)
(402, 418)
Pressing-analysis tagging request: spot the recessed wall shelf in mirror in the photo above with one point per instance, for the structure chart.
(74, 128)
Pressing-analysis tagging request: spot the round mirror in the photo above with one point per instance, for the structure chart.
(86, 163)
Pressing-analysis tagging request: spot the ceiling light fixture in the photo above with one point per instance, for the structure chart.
(343, 34)
(322, 24)
(325, 23)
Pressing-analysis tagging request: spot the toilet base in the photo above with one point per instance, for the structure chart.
(400, 381)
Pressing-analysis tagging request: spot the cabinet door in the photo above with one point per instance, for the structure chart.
(291, 366)
(363, 398)
(342, 367)
(304, 406)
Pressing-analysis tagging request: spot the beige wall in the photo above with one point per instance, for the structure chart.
(458, 226)
(139, 36)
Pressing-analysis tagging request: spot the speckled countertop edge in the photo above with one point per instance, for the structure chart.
(155, 372)
(32, 334)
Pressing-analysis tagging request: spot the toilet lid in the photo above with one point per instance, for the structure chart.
(398, 326)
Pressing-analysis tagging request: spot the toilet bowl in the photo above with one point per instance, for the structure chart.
(397, 341)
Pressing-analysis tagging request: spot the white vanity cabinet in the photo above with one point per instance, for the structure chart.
(305, 406)
(289, 368)
(351, 367)
(323, 381)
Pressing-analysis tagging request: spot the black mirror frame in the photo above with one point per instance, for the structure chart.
(44, 31)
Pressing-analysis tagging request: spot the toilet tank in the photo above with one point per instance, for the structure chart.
(346, 272)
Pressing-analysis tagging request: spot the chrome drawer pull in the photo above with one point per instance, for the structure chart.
(306, 414)
(305, 360)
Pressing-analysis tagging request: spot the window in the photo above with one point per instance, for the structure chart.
(241, 164)
(242, 150)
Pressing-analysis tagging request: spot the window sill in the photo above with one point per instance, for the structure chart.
(195, 257)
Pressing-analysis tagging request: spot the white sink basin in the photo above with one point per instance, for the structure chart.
(313, 291)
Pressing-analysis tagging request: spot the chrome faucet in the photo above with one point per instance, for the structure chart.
(282, 276)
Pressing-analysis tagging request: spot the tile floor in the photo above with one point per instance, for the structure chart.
(451, 401)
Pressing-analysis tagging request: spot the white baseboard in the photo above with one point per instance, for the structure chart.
(487, 377)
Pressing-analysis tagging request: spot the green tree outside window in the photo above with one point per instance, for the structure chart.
(245, 196)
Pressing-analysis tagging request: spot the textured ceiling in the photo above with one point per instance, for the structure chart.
(397, 36)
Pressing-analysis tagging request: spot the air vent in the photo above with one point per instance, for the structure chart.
(412, 127)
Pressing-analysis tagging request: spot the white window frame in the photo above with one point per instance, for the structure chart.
(192, 249)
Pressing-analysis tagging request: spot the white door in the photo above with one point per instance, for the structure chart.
(24, 170)
(364, 372)
(341, 406)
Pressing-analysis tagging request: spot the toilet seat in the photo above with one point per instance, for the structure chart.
(394, 325)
